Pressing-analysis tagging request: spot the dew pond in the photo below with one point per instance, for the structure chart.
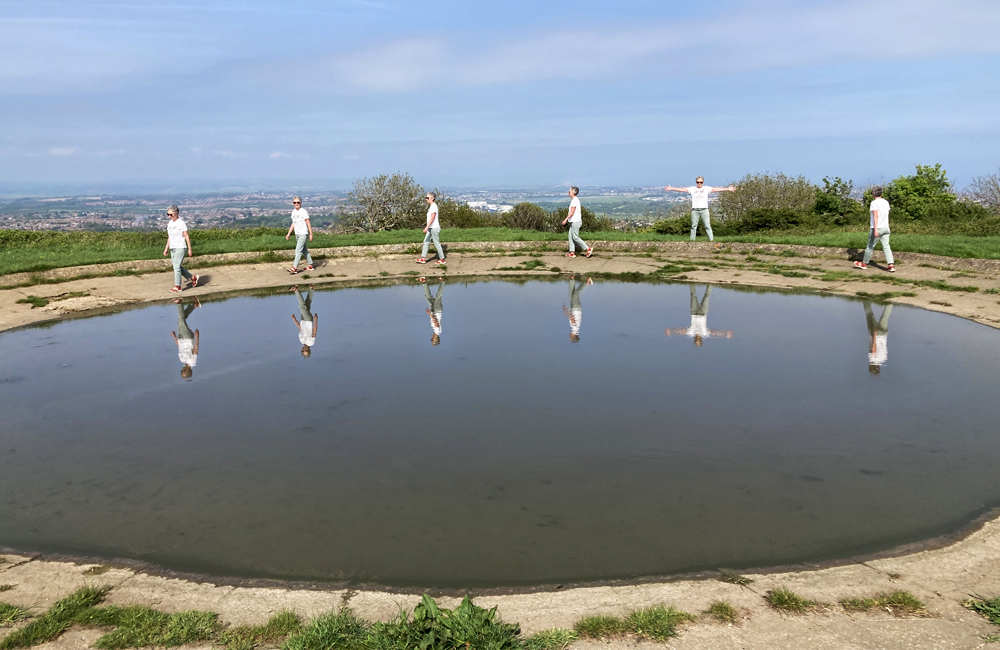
(539, 437)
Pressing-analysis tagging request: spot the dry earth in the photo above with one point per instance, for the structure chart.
(942, 573)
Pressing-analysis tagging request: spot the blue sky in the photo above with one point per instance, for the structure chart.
(507, 93)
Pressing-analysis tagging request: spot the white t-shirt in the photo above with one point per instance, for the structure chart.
(175, 231)
(437, 328)
(578, 215)
(699, 196)
(432, 216)
(879, 207)
(881, 353)
(699, 327)
(306, 333)
(574, 323)
(299, 216)
(185, 352)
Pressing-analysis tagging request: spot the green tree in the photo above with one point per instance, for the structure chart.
(916, 196)
(385, 202)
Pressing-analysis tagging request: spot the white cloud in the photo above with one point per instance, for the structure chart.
(196, 150)
(230, 154)
(275, 155)
(62, 151)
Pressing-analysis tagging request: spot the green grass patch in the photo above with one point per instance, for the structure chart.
(97, 570)
(6, 587)
(657, 623)
(986, 607)
(274, 632)
(55, 621)
(885, 295)
(733, 578)
(898, 603)
(527, 265)
(785, 600)
(138, 626)
(10, 614)
(992, 291)
(34, 301)
(722, 612)
(337, 630)
(554, 639)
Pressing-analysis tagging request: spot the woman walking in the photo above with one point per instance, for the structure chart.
(432, 231)
(178, 241)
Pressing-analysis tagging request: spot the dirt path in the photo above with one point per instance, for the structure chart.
(942, 577)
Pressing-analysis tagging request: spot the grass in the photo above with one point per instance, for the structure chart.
(34, 301)
(897, 603)
(885, 295)
(986, 607)
(722, 611)
(6, 587)
(276, 630)
(33, 251)
(336, 630)
(10, 614)
(55, 621)
(733, 578)
(97, 570)
(554, 639)
(657, 623)
(138, 626)
(992, 291)
(785, 600)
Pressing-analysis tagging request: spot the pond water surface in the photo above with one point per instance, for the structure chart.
(516, 434)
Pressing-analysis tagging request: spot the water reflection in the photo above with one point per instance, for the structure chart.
(309, 325)
(575, 310)
(186, 340)
(878, 330)
(699, 320)
(435, 309)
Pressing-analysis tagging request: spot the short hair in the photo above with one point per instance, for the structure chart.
(296, 198)
(574, 189)
(877, 191)
(186, 372)
(874, 368)
(173, 210)
(433, 195)
(699, 178)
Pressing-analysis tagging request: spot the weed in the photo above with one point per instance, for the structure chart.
(885, 295)
(340, 630)
(555, 269)
(722, 611)
(788, 254)
(55, 621)
(531, 265)
(898, 603)
(554, 639)
(3, 560)
(786, 600)
(733, 578)
(836, 276)
(138, 626)
(987, 607)
(600, 626)
(306, 276)
(751, 258)
(788, 274)
(383, 273)
(991, 638)
(10, 614)
(97, 570)
(437, 628)
(276, 630)
(405, 273)
(34, 301)
(658, 623)
(6, 587)
(962, 274)
(941, 302)
(993, 291)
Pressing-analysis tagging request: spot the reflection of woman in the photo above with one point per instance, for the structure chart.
(699, 320)
(435, 309)
(878, 330)
(575, 311)
(186, 341)
(309, 325)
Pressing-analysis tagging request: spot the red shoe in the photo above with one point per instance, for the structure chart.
(176, 289)
(441, 262)
(892, 268)
(570, 254)
(860, 265)
(590, 251)
(293, 270)
(421, 260)
(310, 268)
(194, 282)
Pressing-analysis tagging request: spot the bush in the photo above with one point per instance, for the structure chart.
(459, 215)
(385, 203)
(591, 222)
(766, 191)
(759, 219)
(914, 196)
(525, 216)
(985, 190)
(676, 226)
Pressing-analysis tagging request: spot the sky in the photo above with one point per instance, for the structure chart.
(499, 94)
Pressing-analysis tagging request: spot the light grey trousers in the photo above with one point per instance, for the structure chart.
(700, 308)
(575, 287)
(882, 235)
(305, 304)
(302, 246)
(177, 257)
(433, 235)
(705, 217)
(183, 331)
(434, 302)
(574, 237)
(880, 326)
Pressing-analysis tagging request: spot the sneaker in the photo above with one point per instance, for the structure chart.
(441, 261)
(293, 270)
(194, 281)
(589, 252)
(570, 254)
(421, 260)
(310, 268)
(892, 268)
(860, 265)
(176, 289)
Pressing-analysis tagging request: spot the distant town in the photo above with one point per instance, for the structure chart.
(632, 205)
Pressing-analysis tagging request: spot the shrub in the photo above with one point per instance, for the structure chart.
(767, 219)
(766, 191)
(459, 215)
(985, 190)
(591, 222)
(525, 216)
(385, 203)
(911, 197)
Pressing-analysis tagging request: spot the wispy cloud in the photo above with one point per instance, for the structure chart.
(276, 155)
(230, 154)
(62, 151)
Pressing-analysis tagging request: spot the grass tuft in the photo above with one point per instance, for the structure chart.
(987, 607)
(55, 621)
(722, 611)
(885, 295)
(992, 291)
(898, 603)
(6, 587)
(554, 639)
(10, 614)
(733, 578)
(138, 626)
(657, 623)
(276, 630)
(34, 301)
(601, 626)
(97, 570)
(785, 600)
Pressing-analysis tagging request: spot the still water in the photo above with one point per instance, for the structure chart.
(495, 433)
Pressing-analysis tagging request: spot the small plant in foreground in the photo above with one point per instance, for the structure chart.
(138, 626)
(898, 603)
(340, 630)
(988, 607)
(10, 614)
(722, 611)
(993, 291)
(733, 578)
(6, 587)
(276, 630)
(600, 626)
(437, 628)
(554, 639)
(786, 600)
(658, 623)
(97, 570)
(55, 621)
(34, 301)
